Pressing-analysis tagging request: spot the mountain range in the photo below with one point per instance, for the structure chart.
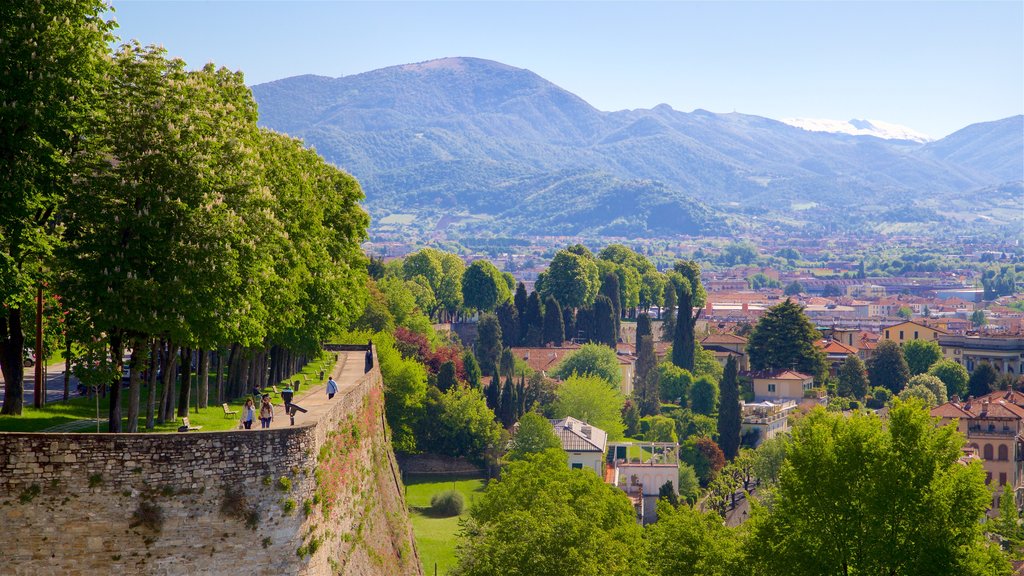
(473, 136)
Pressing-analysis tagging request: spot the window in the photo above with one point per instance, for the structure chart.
(915, 334)
(987, 452)
(1003, 456)
(577, 465)
(886, 334)
(1002, 478)
(901, 334)
(988, 477)
(771, 387)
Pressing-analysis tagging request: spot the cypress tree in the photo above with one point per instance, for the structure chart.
(472, 369)
(488, 344)
(668, 314)
(521, 396)
(446, 378)
(569, 323)
(683, 344)
(729, 416)
(644, 386)
(519, 300)
(585, 324)
(643, 326)
(508, 318)
(494, 395)
(533, 321)
(508, 363)
(507, 403)
(610, 288)
(554, 329)
(604, 322)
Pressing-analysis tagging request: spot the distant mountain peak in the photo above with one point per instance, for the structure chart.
(453, 64)
(858, 127)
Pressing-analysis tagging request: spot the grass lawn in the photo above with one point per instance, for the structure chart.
(436, 537)
(78, 408)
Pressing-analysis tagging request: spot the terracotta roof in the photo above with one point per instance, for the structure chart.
(723, 339)
(998, 408)
(950, 410)
(572, 433)
(778, 375)
(543, 359)
(834, 347)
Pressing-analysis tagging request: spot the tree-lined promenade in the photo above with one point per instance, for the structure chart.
(159, 222)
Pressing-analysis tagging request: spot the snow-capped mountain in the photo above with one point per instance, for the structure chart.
(877, 128)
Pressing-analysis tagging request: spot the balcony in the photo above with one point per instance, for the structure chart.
(991, 432)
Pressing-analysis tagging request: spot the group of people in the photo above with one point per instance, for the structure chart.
(266, 409)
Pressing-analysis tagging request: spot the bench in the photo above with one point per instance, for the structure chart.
(276, 391)
(187, 426)
(228, 413)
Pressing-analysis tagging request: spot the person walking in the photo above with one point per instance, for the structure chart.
(266, 412)
(286, 396)
(332, 387)
(248, 413)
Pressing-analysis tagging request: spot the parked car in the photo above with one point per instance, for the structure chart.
(27, 359)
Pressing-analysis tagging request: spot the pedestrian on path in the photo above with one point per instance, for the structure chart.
(248, 413)
(266, 412)
(286, 396)
(332, 387)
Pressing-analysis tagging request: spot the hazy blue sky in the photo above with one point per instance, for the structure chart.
(933, 66)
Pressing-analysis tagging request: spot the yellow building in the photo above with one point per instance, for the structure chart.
(905, 331)
(780, 385)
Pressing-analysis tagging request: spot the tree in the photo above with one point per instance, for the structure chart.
(759, 282)
(953, 375)
(483, 287)
(554, 330)
(919, 392)
(905, 312)
(668, 315)
(534, 435)
(794, 288)
(591, 360)
(729, 417)
(1007, 523)
(508, 318)
(704, 396)
(769, 458)
(572, 278)
(978, 318)
(464, 426)
(604, 322)
(610, 289)
(446, 378)
(519, 300)
(887, 367)
(472, 369)
(532, 323)
(982, 380)
(508, 403)
(921, 354)
(704, 455)
(592, 400)
(674, 383)
(569, 323)
(932, 383)
(645, 377)
(488, 344)
(684, 341)
(783, 339)
(689, 484)
(841, 470)
(53, 62)
(853, 378)
(688, 541)
(542, 518)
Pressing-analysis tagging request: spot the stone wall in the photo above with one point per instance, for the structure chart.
(319, 498)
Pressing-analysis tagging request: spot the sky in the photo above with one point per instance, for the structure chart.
(932, 66)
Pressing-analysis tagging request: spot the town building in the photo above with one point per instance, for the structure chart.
(584, 444)
(640, 469)
(766, 419)
(1004, 353)
(905, 331)
(725, 345)
(777, 386)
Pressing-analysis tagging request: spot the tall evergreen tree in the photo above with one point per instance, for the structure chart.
(585, 324)
(668, 312)
(783, 339)
(520, 300)
(684, 341)
(508, 318)
(507, 403)
(888, 368)
(493, 394)
(569, 323)
(521, 397)
(488, 344)
(508, 363)
(643, 326)
(610, 288)
(604, 322)
(982, 380)
(533, 321)
(729, 416)
(554, 330)
(472, 369)
(645, 388)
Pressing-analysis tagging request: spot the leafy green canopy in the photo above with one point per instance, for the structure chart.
(784, 339)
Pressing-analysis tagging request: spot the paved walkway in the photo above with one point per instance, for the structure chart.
(346, 372)
(54, 384)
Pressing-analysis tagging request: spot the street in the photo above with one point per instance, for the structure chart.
(54, 384)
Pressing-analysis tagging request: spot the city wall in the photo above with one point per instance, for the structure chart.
(322, 497)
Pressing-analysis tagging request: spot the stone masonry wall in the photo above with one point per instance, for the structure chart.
(272, 502)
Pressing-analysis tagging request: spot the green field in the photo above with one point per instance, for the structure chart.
(78, 408)
(436, 537)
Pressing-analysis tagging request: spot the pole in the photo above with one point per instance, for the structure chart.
(39, 384)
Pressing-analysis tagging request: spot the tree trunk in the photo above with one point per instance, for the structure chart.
(117, 355)
(186, 382)
(221, 353)
(154, 361)
(203, 388)
(134, 383)
(169, 376)
(12, 344)
(67, 367)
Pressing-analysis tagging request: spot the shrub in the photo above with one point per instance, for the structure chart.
(148, 515)
(447, 503)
